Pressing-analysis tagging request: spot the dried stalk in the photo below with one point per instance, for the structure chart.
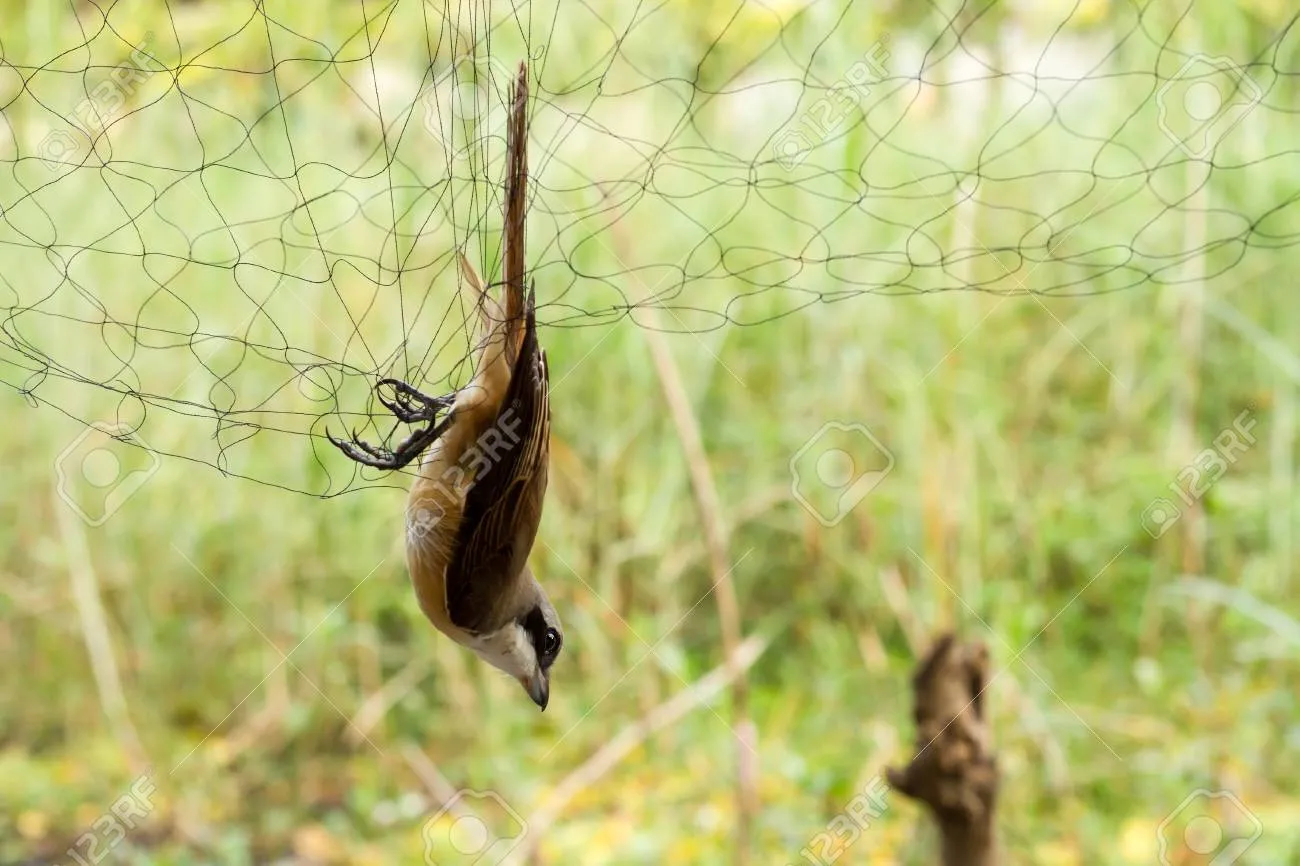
(621, 745)
(99, 644)
(724, 590)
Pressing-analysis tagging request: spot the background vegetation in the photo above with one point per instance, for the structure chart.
(257, 651)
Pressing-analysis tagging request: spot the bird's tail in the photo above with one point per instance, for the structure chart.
(516, 207)
(502, 329)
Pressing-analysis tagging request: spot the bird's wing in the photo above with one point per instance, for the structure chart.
(503, 505)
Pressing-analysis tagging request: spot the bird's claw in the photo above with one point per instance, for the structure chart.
(409, 406)
(362, 451)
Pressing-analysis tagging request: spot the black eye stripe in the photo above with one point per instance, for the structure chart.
(534, 623)
(538, 632)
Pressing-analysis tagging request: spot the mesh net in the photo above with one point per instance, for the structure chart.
(248, 214)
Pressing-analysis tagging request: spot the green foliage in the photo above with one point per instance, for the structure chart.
(278, 672)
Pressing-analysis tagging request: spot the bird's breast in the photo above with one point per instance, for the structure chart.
(436, 504)
(433, 516)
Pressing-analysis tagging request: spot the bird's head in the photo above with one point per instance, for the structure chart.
(528, 644)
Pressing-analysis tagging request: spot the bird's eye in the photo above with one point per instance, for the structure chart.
(551, 645)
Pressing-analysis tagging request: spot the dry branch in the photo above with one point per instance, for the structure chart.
(99, 643)
(716, 543)
(724, 590)
(377, 705)
(442, 792)
(954, 772)
(621, 745)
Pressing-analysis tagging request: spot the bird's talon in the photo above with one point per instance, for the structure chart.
(410, 404)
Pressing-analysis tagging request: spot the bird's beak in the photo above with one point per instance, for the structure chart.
(538, 687)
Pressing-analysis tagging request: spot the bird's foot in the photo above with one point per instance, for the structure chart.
(409, 406)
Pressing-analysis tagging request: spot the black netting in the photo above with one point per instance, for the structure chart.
(249, 215)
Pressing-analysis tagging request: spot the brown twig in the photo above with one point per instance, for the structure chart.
(443, 792)
(377, 705)
(618, 747)
(954, 772)
(99, 643)
(724, 590)
(716, 544)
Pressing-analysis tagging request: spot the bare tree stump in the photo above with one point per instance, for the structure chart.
(954, 772)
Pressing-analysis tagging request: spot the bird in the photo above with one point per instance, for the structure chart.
(473, 511)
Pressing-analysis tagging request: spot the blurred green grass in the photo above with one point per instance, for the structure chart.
(1028, 436)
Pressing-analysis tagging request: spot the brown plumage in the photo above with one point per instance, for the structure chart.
(474, 509)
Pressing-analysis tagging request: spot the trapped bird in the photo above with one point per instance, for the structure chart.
(472, 513)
